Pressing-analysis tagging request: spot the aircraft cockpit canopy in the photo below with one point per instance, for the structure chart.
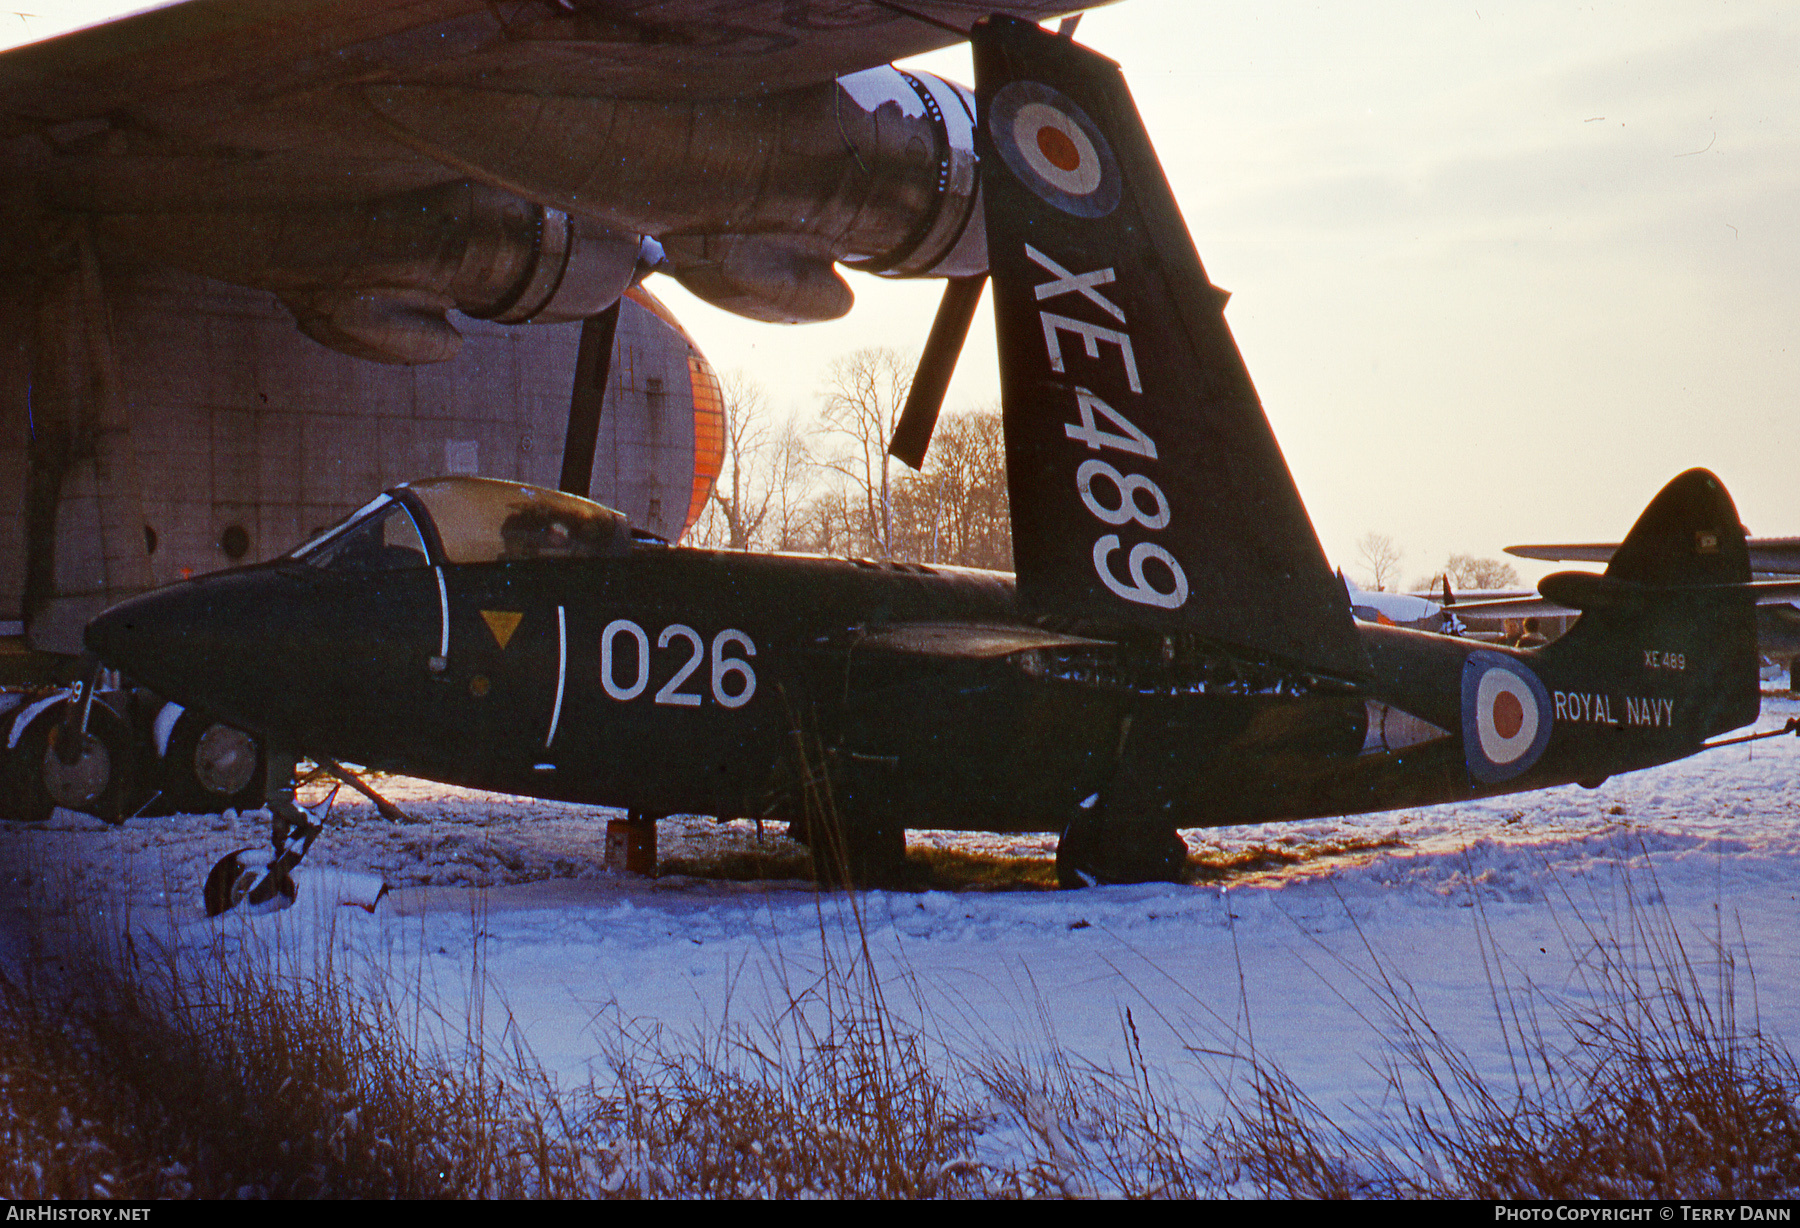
(476, 520)
(379, 536)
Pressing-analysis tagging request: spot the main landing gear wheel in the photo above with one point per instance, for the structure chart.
(856, 856)
(56, 765)
(210, 767)
(1093, 854)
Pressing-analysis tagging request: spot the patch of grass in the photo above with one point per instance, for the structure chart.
(144, 1079)
(853, 1109)
(941, 869)
(781, 862)
(1638, 1080)
(926, 869)
(1219, 865)
(126, 1072)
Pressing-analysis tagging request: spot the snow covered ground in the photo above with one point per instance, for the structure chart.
(511, 895)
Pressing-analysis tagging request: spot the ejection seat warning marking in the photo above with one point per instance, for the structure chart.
(502, 623)
(562, 663)
(443, 616)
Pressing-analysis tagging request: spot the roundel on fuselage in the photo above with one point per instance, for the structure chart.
(1506, 717)
(1054, 149)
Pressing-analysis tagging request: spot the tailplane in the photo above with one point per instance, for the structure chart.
(1670, 628)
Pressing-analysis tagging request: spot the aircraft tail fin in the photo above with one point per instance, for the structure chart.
(1689, 535)
(1674, 615)
(1147, 488)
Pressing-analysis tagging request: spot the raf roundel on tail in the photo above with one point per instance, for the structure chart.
(1055, 149)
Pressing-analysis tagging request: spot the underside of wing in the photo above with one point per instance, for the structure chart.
(1768, 555)
(619, 48)
(970, 641)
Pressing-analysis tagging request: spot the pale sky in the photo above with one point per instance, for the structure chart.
(1499, 272)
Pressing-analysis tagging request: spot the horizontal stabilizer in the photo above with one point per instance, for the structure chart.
(1768, 555)
(969, 641)
(1512, 607)
(1147, 488)
(1563, 584)
(1572, 552)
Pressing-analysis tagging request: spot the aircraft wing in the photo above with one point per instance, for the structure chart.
(1768, 555)
(1511, 607)
(1766, 592)
(234, 102)
(968, 641)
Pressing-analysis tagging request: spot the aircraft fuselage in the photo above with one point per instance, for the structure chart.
(668, 680)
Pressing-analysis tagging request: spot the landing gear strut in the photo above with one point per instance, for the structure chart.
(266, 884)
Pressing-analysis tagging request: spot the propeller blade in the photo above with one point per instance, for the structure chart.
(912, 434)
(593, 367)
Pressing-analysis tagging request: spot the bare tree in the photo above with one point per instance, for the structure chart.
(1467, 571)
(830, 522)
(863, 395)
(792, 475)
(1381, 560)
(760, 501)
(742, 494)
(956, 511)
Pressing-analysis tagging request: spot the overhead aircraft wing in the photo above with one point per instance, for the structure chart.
(1511, 607)
(642, 48)
(235, 102)
(1768, 555)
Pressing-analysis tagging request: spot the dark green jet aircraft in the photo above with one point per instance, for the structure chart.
(1173, 652)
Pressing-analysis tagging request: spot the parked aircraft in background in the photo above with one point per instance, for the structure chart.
(260, 261)
(1174, 650)
(1393, 609)
(1777, 623)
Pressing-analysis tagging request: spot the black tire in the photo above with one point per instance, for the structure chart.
(1091, 855)
(858, 856)
(209, 767)
(23, 798)
(94, 780)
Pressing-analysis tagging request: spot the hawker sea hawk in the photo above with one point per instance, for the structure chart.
(1173, 651)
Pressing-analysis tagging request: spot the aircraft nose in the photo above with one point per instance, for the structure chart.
(148, 637)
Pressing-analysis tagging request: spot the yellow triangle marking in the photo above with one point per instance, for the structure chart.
(502, 623)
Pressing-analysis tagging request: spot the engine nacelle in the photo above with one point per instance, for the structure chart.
(377, 280)
(754, 199)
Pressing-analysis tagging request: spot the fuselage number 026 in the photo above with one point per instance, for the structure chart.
(733, 680)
